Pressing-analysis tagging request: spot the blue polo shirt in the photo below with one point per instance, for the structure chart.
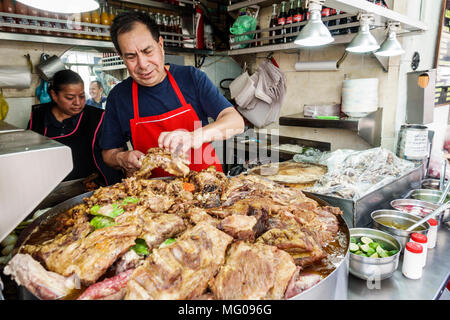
(194, 84)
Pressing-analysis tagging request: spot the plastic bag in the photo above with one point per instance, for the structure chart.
(16, 77)
(241, 25)
(353, 174)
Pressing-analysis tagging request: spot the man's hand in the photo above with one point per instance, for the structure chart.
(180, 141)
(120, 159)
(129, 160)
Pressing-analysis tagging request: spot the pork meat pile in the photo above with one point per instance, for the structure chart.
(198, 235)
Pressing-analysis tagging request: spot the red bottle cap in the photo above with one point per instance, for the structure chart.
(414, 247)
(432, 222)
(418, 237)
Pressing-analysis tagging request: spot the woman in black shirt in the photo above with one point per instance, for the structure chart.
(68, 120)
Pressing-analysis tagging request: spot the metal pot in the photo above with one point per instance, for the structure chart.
(381, 219)
(334, 286)
(374, 268)
(49, 67)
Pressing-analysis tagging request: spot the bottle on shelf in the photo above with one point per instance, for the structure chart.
(95, 18)
(326, 12)
(23, 10)
(273, 23)
(165, 26)
(290, 20)
(333, 22)
(105, 20)
(282, 22)
(171, 28)
(56, 25)
(158, 21)
(33, 12)
(46, 24)
(179, 29)
(1, 17)
(356, 28)
(76, 25)
(344, 21)
(9, 7)
(86, 18)
(298, 16)
(112, 14)
(67, 25)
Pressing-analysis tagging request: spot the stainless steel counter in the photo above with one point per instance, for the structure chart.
(436, 274)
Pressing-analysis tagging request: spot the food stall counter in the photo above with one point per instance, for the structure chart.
(430, 286)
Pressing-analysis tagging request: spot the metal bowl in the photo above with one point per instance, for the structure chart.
(374, 268)
(428, 195)
(403, 204)
(431, 184)
(383, 220)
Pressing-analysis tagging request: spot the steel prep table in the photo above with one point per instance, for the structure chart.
(436, 275)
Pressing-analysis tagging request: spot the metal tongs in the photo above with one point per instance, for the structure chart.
(442, 207)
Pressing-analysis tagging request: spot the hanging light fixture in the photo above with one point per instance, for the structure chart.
(364, 41)
(391, 47)
(314, 33)
(61, 6)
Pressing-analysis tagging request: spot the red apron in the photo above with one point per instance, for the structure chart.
(145, 131)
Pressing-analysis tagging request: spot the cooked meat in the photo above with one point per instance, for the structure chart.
(197, 215)
(155, 230)
(300, 283)
(160, 158)
(156, 202)
(183, 269)
(204, 212)
(108, 289)
(91, 256)
(253, 271)
(106, 195)
(208, 180)
(287, 234)
(59, 225)
(44, 251)
(43, 284)
(130, 260)
(240, 227)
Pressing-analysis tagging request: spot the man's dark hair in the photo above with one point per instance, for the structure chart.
(64, 77)
(99, 84)
(124, 22)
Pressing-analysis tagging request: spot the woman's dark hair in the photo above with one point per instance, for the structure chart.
(64, 77)
(124, 22)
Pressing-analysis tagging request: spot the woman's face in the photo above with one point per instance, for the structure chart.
(70, 99)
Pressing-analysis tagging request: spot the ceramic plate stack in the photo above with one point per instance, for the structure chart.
(359, 97)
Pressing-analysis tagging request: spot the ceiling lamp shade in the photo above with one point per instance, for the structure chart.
(364, 41)
(61, 6)
(314, 33)
(390, 47)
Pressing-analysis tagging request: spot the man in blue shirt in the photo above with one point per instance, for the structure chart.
(158, 105)
(96, 92)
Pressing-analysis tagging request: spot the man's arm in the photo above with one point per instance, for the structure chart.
(228, 123)
(120, 159)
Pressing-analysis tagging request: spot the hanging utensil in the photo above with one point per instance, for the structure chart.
(442, 207)
(444, 193)
(442, 177)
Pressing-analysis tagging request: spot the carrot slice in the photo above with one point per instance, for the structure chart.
(188, 186)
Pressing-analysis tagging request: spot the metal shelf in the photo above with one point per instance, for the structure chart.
(352, 7)
(339, 39)
(368, 128)
(56, 40)
(187, 4)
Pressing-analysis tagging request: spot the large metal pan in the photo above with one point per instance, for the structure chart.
(333, 287)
